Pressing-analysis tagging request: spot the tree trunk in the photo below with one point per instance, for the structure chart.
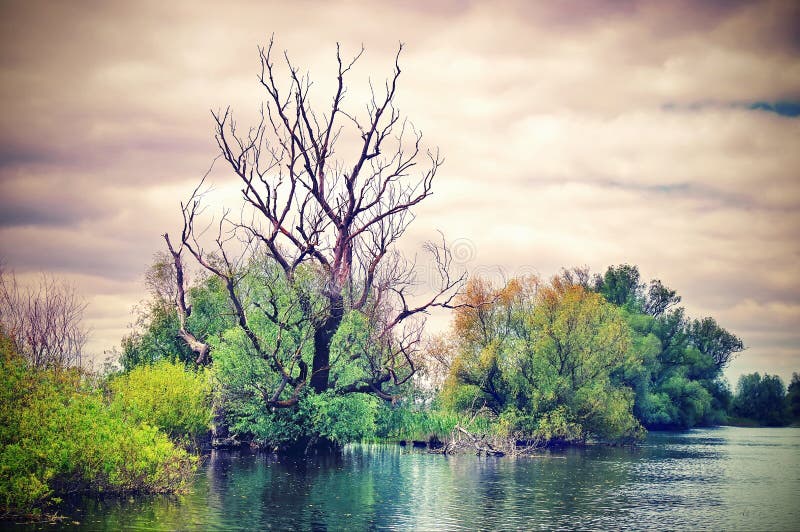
(320, 368)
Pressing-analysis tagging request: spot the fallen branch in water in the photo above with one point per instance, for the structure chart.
(481, 444)
(462, 441)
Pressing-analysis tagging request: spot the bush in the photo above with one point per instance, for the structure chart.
(166, 395)
(59, 437)
(558, 426)
(340, 419)
(318, 418)
(543, 359)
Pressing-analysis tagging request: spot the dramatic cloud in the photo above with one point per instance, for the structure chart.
(662, 134)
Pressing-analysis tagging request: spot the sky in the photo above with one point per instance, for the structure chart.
(661, 134)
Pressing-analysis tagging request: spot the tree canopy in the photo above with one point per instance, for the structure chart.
(315, 236)
(541, 356)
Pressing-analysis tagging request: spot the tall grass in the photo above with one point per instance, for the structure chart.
(404, 423)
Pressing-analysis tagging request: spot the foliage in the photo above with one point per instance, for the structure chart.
(58, 437)
(401, 422)
(714, 341)
(340, 418)
(244, 382)
(621, 286)
(761, 398)
(580, 359)
(555, 361)
(166, 395)
(354, 336)
(318, 418)
(155, 336)
(676, 386)
(155, 339)
(793, 398)
(541, 358)
(679, 383)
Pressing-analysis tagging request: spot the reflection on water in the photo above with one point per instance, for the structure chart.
(726, 478)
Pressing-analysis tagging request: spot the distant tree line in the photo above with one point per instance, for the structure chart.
(765, 400)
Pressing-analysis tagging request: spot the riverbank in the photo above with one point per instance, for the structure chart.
(752, 423)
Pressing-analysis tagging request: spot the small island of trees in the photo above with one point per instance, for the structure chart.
(292, 324)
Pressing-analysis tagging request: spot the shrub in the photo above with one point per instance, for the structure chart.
(165, 395)
(337, 419)
(59, 437)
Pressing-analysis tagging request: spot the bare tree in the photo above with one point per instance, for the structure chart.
(304, 206)
(178, 292)
(44, 322)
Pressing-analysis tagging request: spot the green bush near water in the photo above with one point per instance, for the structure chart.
(58, 436)
(166, 395)
(319, 417)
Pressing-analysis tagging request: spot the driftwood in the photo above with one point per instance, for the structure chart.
(227, 442)
(481, 444)
(463, 441)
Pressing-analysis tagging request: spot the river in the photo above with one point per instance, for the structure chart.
(723, 479)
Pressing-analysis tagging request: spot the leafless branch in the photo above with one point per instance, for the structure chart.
(305, 208)
(44, 321)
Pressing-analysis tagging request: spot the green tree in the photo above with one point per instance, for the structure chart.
(157, 333)
(793, 397)
(541, 357)
(714, 341)
(249, 386)
(761, 398)
(308, 215)
(679, 383)
(621, 285)
(660, 298)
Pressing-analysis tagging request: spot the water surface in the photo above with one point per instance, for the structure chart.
(722, 479)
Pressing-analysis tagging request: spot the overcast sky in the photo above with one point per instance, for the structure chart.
(662, 134)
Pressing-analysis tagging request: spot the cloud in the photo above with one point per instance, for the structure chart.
(657, 133)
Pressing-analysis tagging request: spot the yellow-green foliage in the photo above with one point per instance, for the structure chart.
(166, 395)
(541, 358)
(58, 437)
(557, 425)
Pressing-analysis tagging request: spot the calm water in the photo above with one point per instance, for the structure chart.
(721, 479)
